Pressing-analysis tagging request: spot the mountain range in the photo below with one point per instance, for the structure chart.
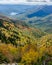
(26, 34)
(36, 16)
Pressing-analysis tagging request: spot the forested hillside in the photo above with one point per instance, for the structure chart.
(23, 44)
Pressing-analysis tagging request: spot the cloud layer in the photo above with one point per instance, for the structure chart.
(26, 1)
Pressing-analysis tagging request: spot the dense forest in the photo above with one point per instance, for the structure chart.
(23, 44)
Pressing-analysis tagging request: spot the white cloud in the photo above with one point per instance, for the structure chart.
(38, 0)
(26, 2)
(13, 13)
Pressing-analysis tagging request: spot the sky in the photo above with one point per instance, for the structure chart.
(26, 2)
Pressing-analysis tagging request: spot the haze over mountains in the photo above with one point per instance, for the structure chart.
(39, 16)
(27, 9)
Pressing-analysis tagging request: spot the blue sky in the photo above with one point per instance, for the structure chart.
(25, 1)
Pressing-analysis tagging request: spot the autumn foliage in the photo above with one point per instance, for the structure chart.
(24, 45)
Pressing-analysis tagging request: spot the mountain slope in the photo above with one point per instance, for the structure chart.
(17, 35)
(43, 23)
(36, 11)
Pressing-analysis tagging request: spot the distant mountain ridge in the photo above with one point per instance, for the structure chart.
(26, 10)
(39, 16)
(37, 11)
(43, 23)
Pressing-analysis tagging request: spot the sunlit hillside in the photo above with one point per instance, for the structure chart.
(25, 35)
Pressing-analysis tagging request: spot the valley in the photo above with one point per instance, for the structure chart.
(26, 35)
